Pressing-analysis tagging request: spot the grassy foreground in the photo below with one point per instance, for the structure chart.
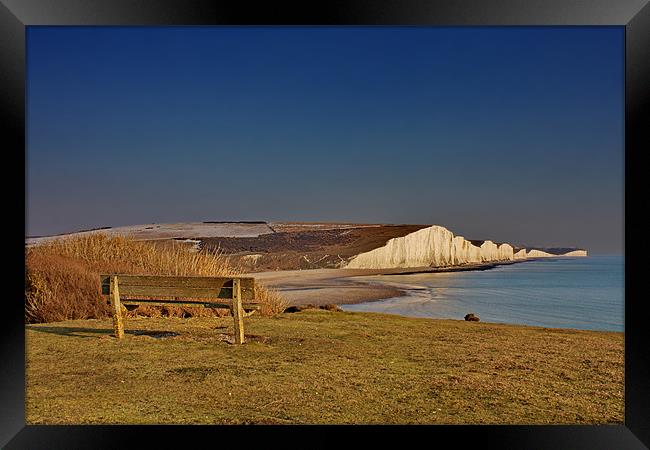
(319, 366)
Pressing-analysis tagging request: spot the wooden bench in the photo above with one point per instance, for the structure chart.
(208, 292)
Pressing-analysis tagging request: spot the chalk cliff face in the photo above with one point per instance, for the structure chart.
(538, 254)
(576, 253)
(521, 254)
(436, 246)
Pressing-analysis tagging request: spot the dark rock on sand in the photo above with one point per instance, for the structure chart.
(298, 308)
(471, 317)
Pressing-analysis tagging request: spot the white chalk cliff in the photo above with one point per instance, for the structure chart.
(436, 246)
(576, 253)
(538, 254)
(520, 254)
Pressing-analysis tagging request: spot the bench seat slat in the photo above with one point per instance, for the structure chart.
(153, 302)
(156, 291)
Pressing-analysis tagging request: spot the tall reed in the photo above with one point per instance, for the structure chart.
(61, 279)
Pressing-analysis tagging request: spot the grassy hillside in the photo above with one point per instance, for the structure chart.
(307, 248)
(321, 367)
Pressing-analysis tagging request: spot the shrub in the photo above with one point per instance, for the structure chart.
(61, 276)
(59, 288)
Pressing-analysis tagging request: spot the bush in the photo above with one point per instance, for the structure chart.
(62, 283)
(59, 288)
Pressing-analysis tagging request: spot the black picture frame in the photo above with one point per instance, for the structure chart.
(634, 15)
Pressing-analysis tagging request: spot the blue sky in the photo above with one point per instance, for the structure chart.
(511, 134)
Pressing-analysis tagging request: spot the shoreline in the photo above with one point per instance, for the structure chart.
(350, 287)
(343, 286)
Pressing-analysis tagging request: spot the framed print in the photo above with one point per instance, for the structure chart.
(357, 217)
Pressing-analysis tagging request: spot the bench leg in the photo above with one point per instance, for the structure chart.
(118, 325)
(238, 311)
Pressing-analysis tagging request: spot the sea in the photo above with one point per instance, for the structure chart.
(585, 293)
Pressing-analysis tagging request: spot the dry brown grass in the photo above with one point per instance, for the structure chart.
(61, 279)
(101, 252)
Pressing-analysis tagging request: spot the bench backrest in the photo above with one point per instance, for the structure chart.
(139, 286)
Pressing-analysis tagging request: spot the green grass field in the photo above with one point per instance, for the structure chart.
(318, 367)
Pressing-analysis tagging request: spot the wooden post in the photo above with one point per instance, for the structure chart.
(118, 326)
(237, 311)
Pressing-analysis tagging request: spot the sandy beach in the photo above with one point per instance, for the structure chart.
(324, 286)
(346, 286)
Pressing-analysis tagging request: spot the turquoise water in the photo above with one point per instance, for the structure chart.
(583, 293)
